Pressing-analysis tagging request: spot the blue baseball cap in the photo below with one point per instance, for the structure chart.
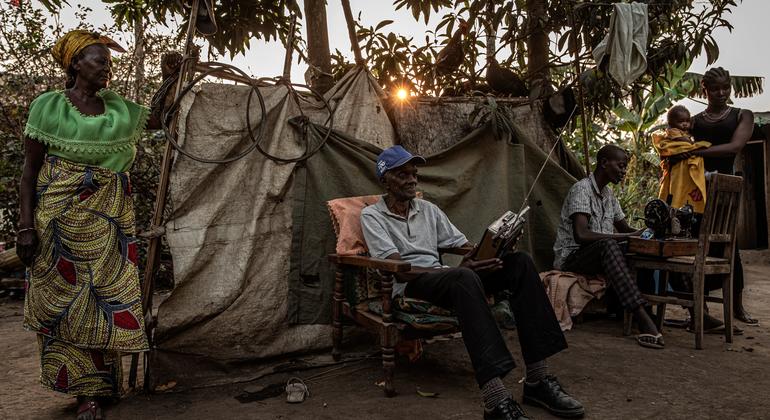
(393, 157)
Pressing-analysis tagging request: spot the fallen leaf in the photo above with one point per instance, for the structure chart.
(427, 394)
(253, 389)
(165, 387)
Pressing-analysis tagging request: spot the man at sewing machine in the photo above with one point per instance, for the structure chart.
(402, 227)
(590, 228)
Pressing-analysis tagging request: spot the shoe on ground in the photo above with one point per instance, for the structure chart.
(506, 410)
(550, 395)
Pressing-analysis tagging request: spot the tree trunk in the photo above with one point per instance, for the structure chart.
(139, 56)
(491, 31)
(537, 48)
(319, 57)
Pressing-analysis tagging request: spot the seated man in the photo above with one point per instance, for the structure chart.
(402, 227)
(587, 242)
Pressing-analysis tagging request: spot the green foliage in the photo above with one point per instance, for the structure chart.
(743, 86)
(28, 71)
(239, 21)
(422, 7)
(679, 30)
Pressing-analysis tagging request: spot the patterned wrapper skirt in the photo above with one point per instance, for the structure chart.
(83, 295)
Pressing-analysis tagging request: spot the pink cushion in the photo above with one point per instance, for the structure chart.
(346, 219)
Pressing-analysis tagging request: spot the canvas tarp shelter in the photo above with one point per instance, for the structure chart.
(230, 230)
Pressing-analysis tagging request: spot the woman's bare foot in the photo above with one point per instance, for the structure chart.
(741, 315)
(739, 312)
(89, 409)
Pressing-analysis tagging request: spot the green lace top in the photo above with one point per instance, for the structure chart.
(106, 140)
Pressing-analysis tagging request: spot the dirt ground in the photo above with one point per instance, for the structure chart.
(609, 373)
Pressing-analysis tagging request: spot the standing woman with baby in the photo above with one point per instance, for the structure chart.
(727, 129)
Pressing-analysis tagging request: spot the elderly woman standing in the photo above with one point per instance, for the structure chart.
(76, 229)
(728, 129)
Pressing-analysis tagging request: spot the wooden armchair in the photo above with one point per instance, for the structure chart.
(718, 227)
(391, 330)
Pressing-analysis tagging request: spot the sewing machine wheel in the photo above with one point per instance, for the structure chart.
(657, 216)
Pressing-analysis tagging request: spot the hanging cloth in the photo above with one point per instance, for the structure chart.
(626, 43)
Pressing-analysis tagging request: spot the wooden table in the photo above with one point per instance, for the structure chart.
(662, 248)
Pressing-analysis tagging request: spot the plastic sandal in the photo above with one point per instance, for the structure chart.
(91, 407)
(296, 391)
(650, 341)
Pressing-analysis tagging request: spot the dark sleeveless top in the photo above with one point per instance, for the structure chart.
(719, 132)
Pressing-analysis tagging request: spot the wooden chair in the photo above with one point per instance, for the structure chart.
(390, 330)
(718, 227)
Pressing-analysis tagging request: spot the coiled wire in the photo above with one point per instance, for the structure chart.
(255, 139)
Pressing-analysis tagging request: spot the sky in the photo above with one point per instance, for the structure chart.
(742, 51)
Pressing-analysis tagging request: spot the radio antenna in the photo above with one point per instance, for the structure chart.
(547, 158)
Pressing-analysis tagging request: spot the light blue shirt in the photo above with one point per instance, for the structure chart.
(416, 238)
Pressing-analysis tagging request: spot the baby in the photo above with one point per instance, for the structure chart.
(679, 125)
(681, 183)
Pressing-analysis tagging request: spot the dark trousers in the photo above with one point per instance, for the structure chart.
(464, 292)
(607, 257)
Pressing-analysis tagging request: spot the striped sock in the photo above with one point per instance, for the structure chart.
(494, 392)
(536, 372)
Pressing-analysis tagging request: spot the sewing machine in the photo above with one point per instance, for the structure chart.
(668, 222)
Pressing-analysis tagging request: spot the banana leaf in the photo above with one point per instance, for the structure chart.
(743, 86)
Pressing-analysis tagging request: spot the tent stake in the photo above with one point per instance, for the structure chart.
(581, 99)
(153, 251)
(352, 32)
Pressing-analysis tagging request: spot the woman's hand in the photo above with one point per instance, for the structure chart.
(27, 243)
(674, 159)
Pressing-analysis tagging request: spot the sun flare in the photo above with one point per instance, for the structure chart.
(402, 94)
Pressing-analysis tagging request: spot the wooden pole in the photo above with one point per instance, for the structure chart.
(318, 55)
(289, 50)
(153, 251)
(538, 70)
(491, 31)
(352, 32)
(581, 99)
(139, 58)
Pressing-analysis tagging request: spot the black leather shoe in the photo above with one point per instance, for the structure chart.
(506, 410)
(549, 394)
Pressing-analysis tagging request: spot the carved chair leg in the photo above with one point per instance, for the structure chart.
(388, 336)
(388, 366)
(337, 316)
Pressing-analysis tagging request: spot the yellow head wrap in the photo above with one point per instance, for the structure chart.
(75, 41)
